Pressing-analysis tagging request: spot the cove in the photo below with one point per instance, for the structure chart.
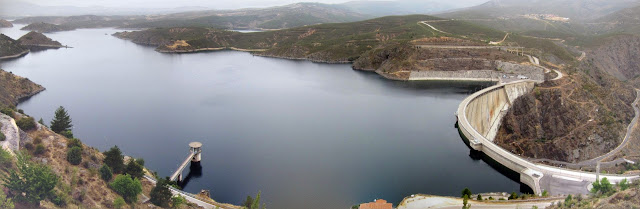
(307, 135)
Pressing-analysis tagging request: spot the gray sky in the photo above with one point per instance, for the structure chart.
(214, 4)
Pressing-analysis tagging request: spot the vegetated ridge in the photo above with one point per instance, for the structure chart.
(46, 27)
(35, 40)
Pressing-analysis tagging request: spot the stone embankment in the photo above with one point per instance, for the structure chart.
(503, 70)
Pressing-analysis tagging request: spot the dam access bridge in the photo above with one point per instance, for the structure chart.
(195, 155)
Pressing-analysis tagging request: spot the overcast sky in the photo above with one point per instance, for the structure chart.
(214, 4)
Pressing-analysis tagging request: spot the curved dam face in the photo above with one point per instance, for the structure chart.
(479, 117)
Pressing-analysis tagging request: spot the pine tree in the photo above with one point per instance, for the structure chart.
(114, 159)
(62, 121)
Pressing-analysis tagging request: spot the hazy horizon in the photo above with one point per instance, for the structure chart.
(167, 4)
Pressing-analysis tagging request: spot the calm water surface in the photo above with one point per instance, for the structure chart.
(307, 135)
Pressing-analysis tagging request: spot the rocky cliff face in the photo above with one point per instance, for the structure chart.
(619, 56)
(14, 88)
(576, 118)
(5, 24)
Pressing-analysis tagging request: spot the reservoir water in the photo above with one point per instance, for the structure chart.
(307, 135)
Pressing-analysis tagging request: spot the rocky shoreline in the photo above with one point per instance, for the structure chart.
(23, 53)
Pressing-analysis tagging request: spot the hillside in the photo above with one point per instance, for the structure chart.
(14, 88)
(338, 42)
(401, 7)
(574, 9)
(581, 116)
(5, 24)
(623, 21)
(288, 16)
(46, 27)
(10, 48)
(34, 40)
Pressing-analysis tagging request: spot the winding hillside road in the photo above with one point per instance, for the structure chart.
(431, 26)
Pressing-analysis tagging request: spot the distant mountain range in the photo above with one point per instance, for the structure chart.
(12, 8)
(580, 10)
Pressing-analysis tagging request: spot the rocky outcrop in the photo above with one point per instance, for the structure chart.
(14, 88)
(46, 27)
(5, 24)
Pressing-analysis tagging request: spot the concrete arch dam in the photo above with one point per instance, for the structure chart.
(479, 117)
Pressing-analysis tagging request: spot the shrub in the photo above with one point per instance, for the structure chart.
(105, 173)
(134, 169)
(545, 193)
(177, 201)
(59, 199)
(6, 160)
(67, 133)
(7, 111)
(74, 155)
(623, 185)
(28, 146)
(5, 203)
(33, 180)
(513, 196)
(2, 137)
(26, 123)
(21, 111)
(160, 194)
(73, 142)
(466, 191)
(39, 150)
(127, 187)
(479, 198)
(118, 202)
(37, 140)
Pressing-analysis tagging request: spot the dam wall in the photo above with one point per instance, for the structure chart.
(479, 117)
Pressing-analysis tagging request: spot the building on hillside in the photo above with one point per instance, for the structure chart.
(377, 204)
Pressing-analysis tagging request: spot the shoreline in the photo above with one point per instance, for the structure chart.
(23, 53)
